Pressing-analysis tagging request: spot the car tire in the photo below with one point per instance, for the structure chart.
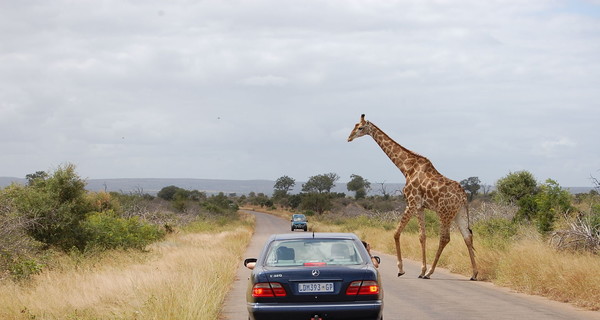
(292, 229)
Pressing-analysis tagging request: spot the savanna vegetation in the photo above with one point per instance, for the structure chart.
(534, 237)
(66, 253)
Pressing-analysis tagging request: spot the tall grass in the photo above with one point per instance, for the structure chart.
(184, 277)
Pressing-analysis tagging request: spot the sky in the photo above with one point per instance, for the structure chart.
(261, 89)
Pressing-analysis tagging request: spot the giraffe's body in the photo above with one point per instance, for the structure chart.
(425, 188)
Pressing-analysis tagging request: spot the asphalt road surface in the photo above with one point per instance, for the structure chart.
(444, 296)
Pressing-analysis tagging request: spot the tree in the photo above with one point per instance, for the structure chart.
(168, 193)
(319, 202)
(486, 189)
(383, 190)
(472, 186)
(359, 185)
(320, 183)
(515, 186)
(284, 184)
(57, 203)
(37, 176)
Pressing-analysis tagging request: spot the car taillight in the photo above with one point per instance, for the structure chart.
(362, 288)
(266, 289)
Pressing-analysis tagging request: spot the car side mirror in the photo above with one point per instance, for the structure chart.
(250, 263)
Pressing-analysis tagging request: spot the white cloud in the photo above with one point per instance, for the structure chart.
(268, 80)
(555, 147)
(474, 85)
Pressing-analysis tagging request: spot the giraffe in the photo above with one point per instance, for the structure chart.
(425, 188)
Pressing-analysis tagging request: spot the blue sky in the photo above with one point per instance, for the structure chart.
(261, 89)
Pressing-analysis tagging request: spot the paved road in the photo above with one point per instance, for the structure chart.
(444, 296)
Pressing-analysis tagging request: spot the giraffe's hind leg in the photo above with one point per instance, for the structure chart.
(423, 240)
(461, 220)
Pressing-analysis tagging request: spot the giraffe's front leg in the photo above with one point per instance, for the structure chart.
(403, 222)
(398, 253)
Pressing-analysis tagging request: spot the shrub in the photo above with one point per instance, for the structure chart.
(495, 232)
(105, 230)
(57, 203)
(16, 247)
(318, 202)
(221, 204)
(24, 268)
(432, 224)
(551, 201)
(515, 186)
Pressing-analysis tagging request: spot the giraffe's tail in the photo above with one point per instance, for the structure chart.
(468, 218)
(469, 224)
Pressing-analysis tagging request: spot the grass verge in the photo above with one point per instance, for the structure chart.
(184, 277)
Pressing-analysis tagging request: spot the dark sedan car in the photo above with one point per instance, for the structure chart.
(314, 276)
(299, 221)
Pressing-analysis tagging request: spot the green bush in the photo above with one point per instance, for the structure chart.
(552, 201)
(432, 224)
(495, 232)
(515, 186)
(105, 230)
(57, 203)
(220, 204)
(24, 268)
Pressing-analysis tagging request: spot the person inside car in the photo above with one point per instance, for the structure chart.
(368, 247)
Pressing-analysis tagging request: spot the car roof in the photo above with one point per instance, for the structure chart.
(314, 235)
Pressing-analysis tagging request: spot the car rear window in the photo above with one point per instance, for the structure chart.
(299, 218)
(311, 252)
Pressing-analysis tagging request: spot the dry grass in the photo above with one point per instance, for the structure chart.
(184, 277)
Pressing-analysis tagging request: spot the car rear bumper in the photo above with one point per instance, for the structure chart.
(364, 310)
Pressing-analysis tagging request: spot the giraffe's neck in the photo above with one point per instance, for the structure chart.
(403, 158)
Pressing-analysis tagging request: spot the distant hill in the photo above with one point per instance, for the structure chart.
(212, 186)
(7, 181)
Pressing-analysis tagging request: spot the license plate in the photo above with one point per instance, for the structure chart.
(315, 287)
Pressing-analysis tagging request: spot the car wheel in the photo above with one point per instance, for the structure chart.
(292, 229)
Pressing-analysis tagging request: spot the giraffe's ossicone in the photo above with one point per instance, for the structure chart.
(425, 188)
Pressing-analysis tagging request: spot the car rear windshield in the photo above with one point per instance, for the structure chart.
(311, 252)
(300, 218)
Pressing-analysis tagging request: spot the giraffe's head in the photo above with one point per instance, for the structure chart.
(360, 129)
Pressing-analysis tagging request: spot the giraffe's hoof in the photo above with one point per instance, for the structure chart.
(425, 277)
(473, 279)
(420, 276)
(400, 273)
